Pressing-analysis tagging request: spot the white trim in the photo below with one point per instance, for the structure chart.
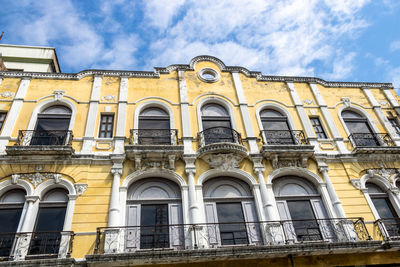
(6, 185)
(356, 110)
(216, 100)
(153, 103)
(213, 95)
(185, 118)
(236, 173)
(51, 102)
(295, 171)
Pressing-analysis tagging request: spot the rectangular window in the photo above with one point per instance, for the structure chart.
(106, 125)
(319, 131)
(395, 124)
(2, 118)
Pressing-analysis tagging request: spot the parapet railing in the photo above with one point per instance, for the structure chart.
(284, 137)
(371, 139)
(20, 246)
(44, 138)
(215, 235)
(389, 228)
(219, 135)
(153, 137)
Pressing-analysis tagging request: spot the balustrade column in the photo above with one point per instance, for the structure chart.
(114, 212)
(337, 205)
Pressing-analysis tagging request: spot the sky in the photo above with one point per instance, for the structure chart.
(336, 40)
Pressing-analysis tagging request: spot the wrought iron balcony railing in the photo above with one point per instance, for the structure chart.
(154, 137)
(44, 138)
(33, 244)
(389, 228)
(284, 137)
(214, 235)
(371, 139)
(219, 135)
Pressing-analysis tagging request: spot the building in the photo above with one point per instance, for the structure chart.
(201, 163)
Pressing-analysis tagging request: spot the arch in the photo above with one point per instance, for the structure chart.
(16, 195)
(20, 184)
(295, 171)
(290, 185)
(48, 103)
(153, 189)
(49, 184)
(357, 110)
(215, 60)
(149, 104)
(215, 100)
(276, 107)
(226, 187)
(56, 195)
(375, 179)
(162, 173)
(236, 173)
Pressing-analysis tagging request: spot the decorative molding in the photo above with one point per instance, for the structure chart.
(80, 188)
(313, 112)
(38, 177)
(7, 94)
(346, 101)
(223, 161)
(308, 101)
(109, 98)
(278, 163)
(166, 70)
(15, 178)
(356, 183)
(383, 103)
(58, 95)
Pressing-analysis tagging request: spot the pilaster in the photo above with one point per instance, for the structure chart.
(119, 138)
(186, 132)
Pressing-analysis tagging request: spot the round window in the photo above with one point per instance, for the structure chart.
(208, 75)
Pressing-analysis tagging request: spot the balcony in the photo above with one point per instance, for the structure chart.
(373, 143)
(237, 240)
(154, 147)
(286, 148)
(221, 145)
(36, 245)
(33, 142)
(388, 229)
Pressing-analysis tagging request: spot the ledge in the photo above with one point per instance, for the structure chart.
(39, 150)
(222, 148)
(377, 150)
(44, 262)
(287, 150)
(231, 253)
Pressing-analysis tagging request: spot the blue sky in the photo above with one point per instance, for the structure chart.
(345, 40)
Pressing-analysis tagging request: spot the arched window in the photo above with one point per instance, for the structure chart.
(216, 124)
(276, 129)
(301, 208)
(154, 214)
(154, 126)
(49, 223)
(360, 130)
(230, 212)
(385, 209)
(52, 126)
(11, 205)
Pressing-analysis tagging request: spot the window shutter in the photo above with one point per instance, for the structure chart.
(326, 226)
(284, 214)
(212, 224)
(252, 224)
(133, 233)
(176, 227)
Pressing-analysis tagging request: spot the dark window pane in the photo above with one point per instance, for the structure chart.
(50, 131)
(106, 125)
(154, 230)
(395, 124)
(47, 236)
(304, 223)
(319, 131)
(384, 208)
(2, 119)
(272, 125)
(154, 124)
(9, 220)
(232, 224)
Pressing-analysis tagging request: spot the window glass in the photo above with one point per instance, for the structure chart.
(270, 113)
(350, 114)
(9, 219)
(106, 125)
(154, 226)
(214, 110)
(319, 131)
(216, 124)
(384, 208)
(57, 110)
(304, 223)
(232, 227)
(395, 124)
(2, 118)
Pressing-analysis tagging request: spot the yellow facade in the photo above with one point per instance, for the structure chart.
(98, 172)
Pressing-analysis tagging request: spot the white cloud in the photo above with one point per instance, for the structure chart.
(160, 14)
(394, 76)
(394, 46)
(278, 37)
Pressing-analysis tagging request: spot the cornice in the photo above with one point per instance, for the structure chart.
(190, 67)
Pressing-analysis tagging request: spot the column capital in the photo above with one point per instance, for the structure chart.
(323, 169)
(31, 198)
(116, 170)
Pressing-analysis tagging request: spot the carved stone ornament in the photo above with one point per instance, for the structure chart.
(278, 163)
(346, 101)
(109, 98)
(223, 161)
(7, 94)
(58, 94)
(80, 188)
(356, 183)
(37, 178)
(308, 101)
